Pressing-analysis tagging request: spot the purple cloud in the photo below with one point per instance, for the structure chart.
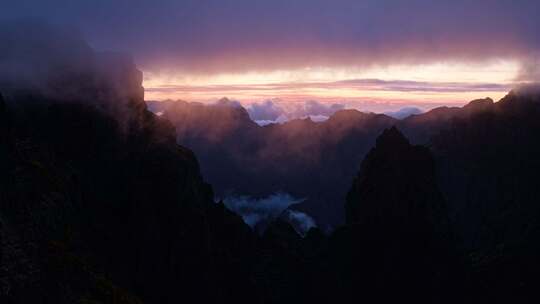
(194, 36)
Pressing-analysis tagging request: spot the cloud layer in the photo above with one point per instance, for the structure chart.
(404, 112)
(335, 88)
(269, 111)
(256, 212)
(56, 62)
(216, 36)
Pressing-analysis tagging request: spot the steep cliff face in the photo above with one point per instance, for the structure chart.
(130, 201)
(488, 168)
(396, 182)
(397, 236)
(97, 201)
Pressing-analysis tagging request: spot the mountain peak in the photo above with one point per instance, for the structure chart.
(391, 138)
(392, 175)
(479, 102)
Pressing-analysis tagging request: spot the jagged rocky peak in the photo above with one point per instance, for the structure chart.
(226, 102)
(234, 107)
(213, 120)
(391, 138)
(479, 104)
(281, 232)
(396, 181)
(397, 226)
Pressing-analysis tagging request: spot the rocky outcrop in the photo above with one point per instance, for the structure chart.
(131, 203)
(396, 182)
(97, 194)
(397, 235)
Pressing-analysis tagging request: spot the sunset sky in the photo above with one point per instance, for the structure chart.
(370, 54)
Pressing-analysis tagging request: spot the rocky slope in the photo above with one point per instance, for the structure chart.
(397, 235)
(98, 203)
(126, 199)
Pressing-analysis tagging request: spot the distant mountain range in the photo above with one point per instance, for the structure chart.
(314, 161)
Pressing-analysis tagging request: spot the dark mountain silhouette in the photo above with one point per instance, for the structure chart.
(397, 233)
(101, 208)
(397, 174)
(488, 169)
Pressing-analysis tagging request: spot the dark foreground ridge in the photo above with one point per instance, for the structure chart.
(91, 210)
(98, 210)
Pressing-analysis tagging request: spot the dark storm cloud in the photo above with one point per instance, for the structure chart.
(216, 36)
